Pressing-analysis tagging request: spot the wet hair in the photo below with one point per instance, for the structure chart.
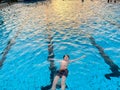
(66, 55)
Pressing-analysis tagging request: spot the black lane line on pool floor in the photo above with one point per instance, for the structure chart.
(11, 42)
(6, 50)
(113, 67)
(52, 68)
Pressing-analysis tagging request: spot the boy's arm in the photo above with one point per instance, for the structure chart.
(78, 58)
(55, 60)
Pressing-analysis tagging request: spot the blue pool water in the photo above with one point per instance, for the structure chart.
(25, 32)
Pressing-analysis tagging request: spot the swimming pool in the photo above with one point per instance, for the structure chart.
(27, 30)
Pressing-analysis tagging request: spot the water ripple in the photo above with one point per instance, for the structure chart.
(67, 25)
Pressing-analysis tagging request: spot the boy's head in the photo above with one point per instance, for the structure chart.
(66, 57)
